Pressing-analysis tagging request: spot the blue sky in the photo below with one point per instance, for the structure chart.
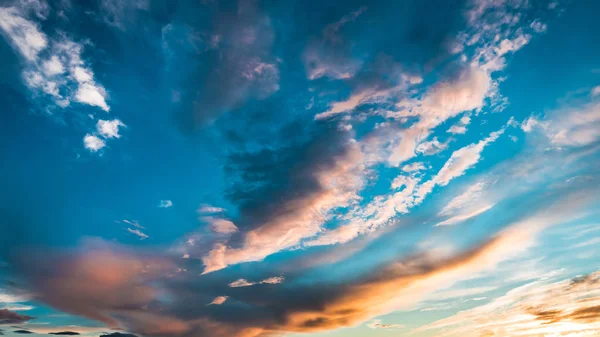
(322, 168)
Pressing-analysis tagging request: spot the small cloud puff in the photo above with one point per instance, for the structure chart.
(218, 300)
(165, 204)
(208, 209)
(106, 129)
(109, 129)
(93, 143)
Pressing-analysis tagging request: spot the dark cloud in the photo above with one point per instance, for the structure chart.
(65, 333)
(549, 316)
(589, 314)
(118, 334)
(237, 66)
(25, 332)
(11, 317)
(268, 179)
(93, 282)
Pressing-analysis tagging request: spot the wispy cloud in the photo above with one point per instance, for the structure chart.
(569, 307)
(138, 233)
(245, 283)
(376, 324)
(165, 204)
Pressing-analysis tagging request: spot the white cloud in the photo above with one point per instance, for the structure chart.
(59, 72)
(53, 66)
(138, 233)
(6, 297)
(463, 159)
(463, 217)
(134, 223)
(165, 204)
(109, 129)
(219, 225)
(413, 167)
(468, 197)
(447, 99)
(23, 34)
(93, 143)
(208, 209)
(92, 94)
(529, 123)
(431, 147)
(578, 126)
(457, 129)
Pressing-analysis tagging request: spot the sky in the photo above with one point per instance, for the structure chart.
(261, 168)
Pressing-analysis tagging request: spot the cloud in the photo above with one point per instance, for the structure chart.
(109, 129)
(461, 127)
(120, 13)
(11, 317)
(467, 91)
(537, 308)
(245, 283)
(99, 283)
(65, 333)
(463, 159)
(93, 143)
(218, 300)
(329, 55)
(219, 225)
(575, 127)
(413, 167)
(431, 147)
(569, 127)
(377, 213)
(24, 332)
(376, 324)
(54, 67)
(463, 217)
(96, 282)
(459, 162)
(60, 71)
(22, 33)
(6, 297)
(210, 209)
(529, 123)
(466, 198)
(326, 174)
(118, 334)
(241, 283)
(134, 223)
(273, 280)
(458, 293)
(165, 204)
(238, 66)
(138, 233)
